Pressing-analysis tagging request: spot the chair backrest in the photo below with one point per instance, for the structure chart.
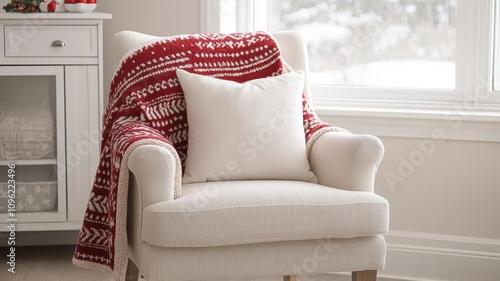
(292, 45)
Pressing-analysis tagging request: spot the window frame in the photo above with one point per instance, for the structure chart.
(473, 99)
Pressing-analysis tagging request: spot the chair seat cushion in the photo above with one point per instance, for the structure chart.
(244, 212)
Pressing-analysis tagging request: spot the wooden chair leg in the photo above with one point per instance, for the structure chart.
(368, 275)
(132, 271)
(290, 278)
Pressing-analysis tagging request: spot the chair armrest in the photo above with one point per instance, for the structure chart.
(154, 170)
(152, 180)
(346, 161)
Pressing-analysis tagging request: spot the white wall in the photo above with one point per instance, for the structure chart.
(455, 191)
(448, 211)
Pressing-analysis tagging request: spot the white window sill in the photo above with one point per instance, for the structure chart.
(469, 123)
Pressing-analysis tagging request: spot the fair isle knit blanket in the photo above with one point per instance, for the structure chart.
(147, 106)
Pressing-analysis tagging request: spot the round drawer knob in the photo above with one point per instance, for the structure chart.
(58, 43)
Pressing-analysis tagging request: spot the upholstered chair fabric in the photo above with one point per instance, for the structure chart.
(258, 228)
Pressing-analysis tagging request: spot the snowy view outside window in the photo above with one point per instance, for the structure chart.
(367, 43)
(374, 43)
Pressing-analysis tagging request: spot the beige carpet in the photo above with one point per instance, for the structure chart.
(47, 263)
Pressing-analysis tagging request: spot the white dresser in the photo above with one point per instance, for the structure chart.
(51, 102)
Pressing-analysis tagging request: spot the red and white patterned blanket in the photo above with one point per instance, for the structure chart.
(147, 106)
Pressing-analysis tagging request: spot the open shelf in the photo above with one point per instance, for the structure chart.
(31, 217)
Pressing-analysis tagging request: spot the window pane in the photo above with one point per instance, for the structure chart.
(228, 15)
(496, 70)
(377, 43)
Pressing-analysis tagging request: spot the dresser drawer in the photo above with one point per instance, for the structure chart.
(50, 41)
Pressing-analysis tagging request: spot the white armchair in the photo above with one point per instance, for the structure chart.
(249, 229)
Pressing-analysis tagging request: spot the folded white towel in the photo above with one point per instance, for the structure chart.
(27, 133)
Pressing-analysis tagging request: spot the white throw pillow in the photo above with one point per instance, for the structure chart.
(245, 131)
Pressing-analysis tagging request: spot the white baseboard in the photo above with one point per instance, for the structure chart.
(415, 256)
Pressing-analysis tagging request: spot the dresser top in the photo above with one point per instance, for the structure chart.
(56, 16)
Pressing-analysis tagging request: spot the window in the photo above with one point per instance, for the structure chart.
(414, 55)
(368, 43)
